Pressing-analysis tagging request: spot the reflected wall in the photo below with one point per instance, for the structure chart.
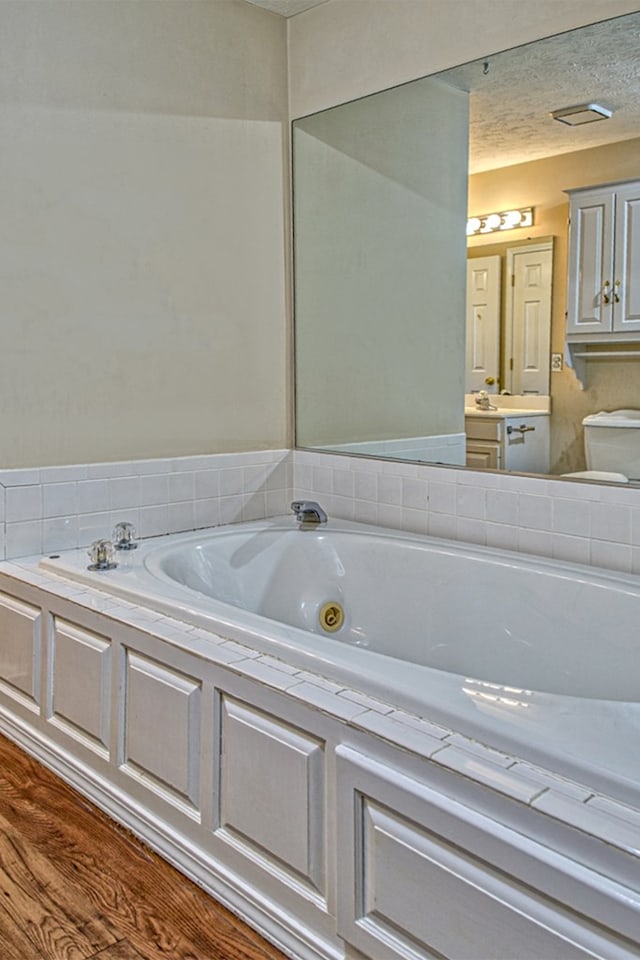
(380, 189)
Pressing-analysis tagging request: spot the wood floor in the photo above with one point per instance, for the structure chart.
(74, 885)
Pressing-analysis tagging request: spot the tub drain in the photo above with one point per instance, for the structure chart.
(331, 616)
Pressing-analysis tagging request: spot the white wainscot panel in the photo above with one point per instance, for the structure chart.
(80, 683)
(161, 730)
(20, 650)
(420, 877)
(271, 795)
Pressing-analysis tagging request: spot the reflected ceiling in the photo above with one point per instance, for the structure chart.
(287, 8)
(510, 103)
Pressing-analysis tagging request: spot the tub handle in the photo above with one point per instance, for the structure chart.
(124, 536)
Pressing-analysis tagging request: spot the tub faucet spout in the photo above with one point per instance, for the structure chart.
(308, 511)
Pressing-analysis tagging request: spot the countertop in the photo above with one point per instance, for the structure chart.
(504, 414)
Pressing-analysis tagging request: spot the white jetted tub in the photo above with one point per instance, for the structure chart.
(534, 657)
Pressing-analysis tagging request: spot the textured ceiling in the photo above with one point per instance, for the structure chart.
(286, 8)
(511, 103)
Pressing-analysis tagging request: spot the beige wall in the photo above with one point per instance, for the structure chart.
(345, 49)
(541, 184)
(141, 230)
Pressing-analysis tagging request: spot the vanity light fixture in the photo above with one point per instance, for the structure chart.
(582, 113)
(496, 222)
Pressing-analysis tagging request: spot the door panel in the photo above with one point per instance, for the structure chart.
(529, 318)
(483, 324)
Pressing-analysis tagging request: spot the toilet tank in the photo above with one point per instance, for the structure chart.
(612, 442)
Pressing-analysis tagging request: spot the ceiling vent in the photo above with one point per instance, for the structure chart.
(582, 113)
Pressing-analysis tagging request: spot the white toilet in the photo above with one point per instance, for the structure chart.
(612, 446)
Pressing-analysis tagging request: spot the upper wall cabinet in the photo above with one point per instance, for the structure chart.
(604, 264)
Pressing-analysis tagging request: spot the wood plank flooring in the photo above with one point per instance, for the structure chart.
(76, 886)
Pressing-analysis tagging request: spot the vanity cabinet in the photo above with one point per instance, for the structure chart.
(498, 440)
(603, 302)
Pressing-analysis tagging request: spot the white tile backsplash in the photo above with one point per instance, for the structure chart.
(60, 533)
(92, 496)
(614, 556)
(545, 517)
(442, 525)
(571, 517)
(206, 484)
(58, 508)
(95, 526)
(471, 502)
(537, 542)
(20, 478)
(59, 499)
(22, 538)
(154, 489)
(61, 474)
(23, 503)
(206, 513)
(54, 507)
(610, 521)
(181, 517)
(471, 531)
(391, 516)
(365, 511)
(534, 511)
(503, 536)
(154, 520)
(231, 481)
(344, 483)
(502, 506)
(570, 549)
(389, 490)
(124, 492)
(442, 497)
(365, 486)
(415, 493)
(181, 486)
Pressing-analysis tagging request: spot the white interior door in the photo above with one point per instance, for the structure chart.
(528, 318)
(483, 324)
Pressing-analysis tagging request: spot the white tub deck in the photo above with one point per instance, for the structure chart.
(527, 656)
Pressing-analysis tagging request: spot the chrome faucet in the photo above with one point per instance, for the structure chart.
(308, 511)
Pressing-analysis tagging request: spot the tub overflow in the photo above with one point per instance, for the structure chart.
(331, 616)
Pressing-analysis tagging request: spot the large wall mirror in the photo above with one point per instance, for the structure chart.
(383, 190)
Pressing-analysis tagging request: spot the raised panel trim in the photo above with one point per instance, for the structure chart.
(466, 904)
(277, 823)
(626, 311)
(79, 681)
(560, 894)
(159, 730)
(591, 262)
(21, 651)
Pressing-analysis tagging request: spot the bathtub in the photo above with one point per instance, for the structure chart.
(533, 657)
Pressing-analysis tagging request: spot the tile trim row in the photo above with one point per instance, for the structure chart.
(49, 509)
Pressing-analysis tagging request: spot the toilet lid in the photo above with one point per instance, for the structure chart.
(613, 418)
(605, 475)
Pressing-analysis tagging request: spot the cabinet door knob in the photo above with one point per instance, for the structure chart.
(605, 296)
(616, 288)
